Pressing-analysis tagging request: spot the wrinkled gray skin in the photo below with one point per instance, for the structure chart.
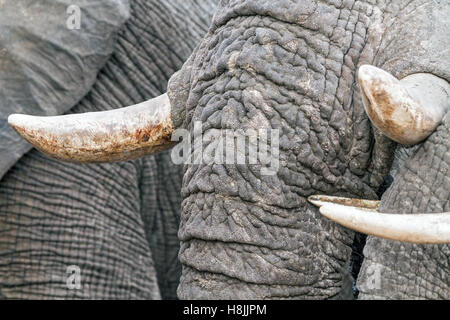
(291, 65)
(117, 222)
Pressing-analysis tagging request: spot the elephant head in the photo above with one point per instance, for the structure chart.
(291, 67)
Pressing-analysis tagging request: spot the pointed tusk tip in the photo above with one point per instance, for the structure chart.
(315, 200)
(12, 118)
(22, 123)
(364, 70)
(16, 120)
(367, 74)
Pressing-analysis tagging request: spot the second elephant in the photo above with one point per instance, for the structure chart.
(116, 223)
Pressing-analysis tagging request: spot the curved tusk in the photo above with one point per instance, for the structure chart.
(407, 111)
(107, 136)
(431, 228)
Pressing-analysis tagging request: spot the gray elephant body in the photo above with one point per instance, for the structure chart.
(292, 66)
(116, 222)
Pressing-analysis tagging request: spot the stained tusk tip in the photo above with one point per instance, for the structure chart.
(14, 119)
(19, 122)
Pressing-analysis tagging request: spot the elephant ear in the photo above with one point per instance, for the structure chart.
(50, 54)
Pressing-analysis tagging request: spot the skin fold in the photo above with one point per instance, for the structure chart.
(117, 222)
(285, 65)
